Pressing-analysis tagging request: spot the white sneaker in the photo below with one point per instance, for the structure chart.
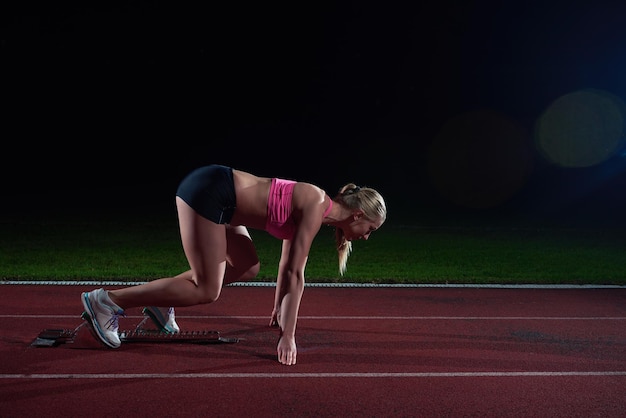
(103, 315)
(164, 318)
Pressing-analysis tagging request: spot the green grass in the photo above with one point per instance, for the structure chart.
(137, 249)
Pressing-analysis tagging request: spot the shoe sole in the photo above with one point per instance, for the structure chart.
(94, 324)
(158, 320)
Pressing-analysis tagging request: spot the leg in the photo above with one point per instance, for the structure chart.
(204, 243)
(243, 262)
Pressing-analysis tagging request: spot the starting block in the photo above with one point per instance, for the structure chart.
(84, 336)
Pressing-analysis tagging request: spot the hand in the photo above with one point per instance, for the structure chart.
(287, 350)
(275, 319)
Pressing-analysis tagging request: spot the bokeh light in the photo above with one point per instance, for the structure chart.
(581, 129)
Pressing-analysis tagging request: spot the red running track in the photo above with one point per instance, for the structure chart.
(366, 352)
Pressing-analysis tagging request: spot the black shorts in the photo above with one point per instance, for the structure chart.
(210, 191)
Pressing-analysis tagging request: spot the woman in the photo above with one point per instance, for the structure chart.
(215, 206)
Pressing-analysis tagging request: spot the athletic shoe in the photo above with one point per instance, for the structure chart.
(164, 318)
(103, 315)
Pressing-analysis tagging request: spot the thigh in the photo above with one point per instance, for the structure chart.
(204, 243)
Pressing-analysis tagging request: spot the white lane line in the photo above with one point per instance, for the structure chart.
(302, 375)
(314, 284)
(454, 318)
(367, 318)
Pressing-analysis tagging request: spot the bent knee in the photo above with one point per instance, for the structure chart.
(241, 275)
(208, 294)
(252, 272)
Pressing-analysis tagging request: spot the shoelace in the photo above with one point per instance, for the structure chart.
(114, 321)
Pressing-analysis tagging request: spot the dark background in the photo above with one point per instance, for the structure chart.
(109, 105)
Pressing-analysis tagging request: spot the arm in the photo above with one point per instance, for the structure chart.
(289, 290)
(284, 256)
(290, 286)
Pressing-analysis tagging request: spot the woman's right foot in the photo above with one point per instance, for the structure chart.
(103, 315)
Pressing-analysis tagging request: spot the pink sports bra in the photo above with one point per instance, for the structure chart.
(280, 223)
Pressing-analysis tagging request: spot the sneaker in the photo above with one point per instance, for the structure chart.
(164, 318)
(103, 315)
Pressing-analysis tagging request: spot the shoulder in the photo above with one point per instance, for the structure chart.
(309, 200)
(309, 203)
(308, 193)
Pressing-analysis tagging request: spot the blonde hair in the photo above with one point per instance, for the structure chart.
(365, 199)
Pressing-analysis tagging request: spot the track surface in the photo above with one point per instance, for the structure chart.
(367, 352)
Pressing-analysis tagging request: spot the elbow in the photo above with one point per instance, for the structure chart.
(294, 282)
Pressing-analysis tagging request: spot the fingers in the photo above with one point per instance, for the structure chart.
(287, 351)
(274, 320)
(287, 358)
